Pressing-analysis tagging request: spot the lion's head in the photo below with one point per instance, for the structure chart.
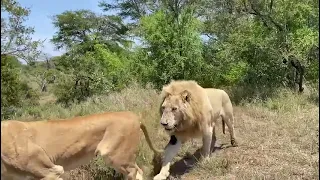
(179, 108)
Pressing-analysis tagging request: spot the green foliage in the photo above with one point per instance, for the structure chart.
(85, 28)
(245, 45)
(96, 72)
(16, 43)
(250, 39)
(173, 46)
(9, 83)
(96, 61)
(130, 9)
(14, 92)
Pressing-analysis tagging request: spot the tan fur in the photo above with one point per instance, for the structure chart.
(190, 111)
(202, 100)
(45, 149)
(222, 107)
(197, 111)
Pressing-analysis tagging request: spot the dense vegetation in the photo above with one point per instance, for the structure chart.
(251, 48)
(254, 44)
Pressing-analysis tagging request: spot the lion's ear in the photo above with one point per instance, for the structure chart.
(185, 95)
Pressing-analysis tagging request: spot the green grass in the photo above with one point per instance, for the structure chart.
(278, 137)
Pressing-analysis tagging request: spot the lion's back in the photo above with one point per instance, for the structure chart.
(219, 99)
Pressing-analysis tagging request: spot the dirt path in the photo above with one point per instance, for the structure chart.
(271, 146)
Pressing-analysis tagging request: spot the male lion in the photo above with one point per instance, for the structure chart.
(190, 111)
(45, 149)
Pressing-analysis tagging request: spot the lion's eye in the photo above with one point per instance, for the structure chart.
(174, 109)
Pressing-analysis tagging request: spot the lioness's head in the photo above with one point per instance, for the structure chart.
(174, 110)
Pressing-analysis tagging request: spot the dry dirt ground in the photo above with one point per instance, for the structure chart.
(273, 144)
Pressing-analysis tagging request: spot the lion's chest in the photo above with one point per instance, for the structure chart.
(188, 134)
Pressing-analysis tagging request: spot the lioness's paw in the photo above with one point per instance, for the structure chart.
(160, 177)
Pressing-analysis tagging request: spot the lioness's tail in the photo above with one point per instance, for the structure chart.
(146, 134)
(157, 158)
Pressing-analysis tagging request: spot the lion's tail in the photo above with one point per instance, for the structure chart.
(223, 127)
(146, 134)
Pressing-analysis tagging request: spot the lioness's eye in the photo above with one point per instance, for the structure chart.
(174, 109)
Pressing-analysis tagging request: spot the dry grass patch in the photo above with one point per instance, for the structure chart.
(275, 143)
(278, 139)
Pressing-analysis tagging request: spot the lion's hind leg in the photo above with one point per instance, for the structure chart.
(214, 139)
(228, 118)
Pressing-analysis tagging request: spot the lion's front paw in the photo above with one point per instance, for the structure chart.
(234, 143)
(161, 176)
(204, 153)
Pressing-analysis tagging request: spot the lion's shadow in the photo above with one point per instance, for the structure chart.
(188, 162)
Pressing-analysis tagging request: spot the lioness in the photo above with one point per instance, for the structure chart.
(45, 149)
(189, 111)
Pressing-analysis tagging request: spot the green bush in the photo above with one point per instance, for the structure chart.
(14, 92)
(96, 72)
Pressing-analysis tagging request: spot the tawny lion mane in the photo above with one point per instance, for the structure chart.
(45, 149)
(199, 103)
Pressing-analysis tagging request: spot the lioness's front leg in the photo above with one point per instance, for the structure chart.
(170, 152)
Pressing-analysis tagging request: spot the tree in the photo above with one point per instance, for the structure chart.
(14, 92)
(96, 72)
(15, 36)
(259, 35)
(173, 43)
(96, 58)
(9, 82)
(84, 27)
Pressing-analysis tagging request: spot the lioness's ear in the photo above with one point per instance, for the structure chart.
(185, 95)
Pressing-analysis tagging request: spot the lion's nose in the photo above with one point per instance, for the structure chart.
(164, 123)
